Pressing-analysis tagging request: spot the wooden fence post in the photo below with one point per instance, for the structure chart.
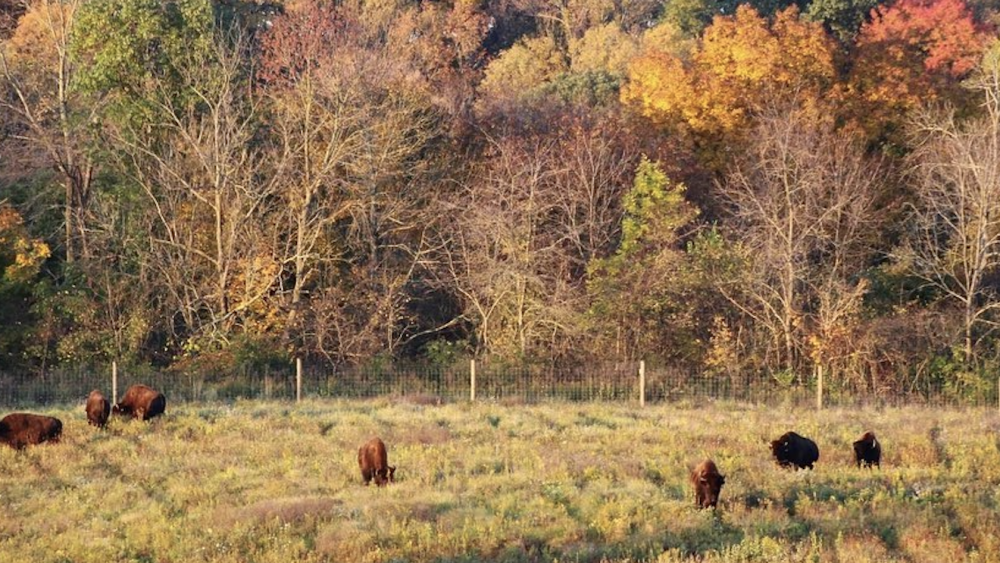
(298, 380)
(819, 387)
(472, 380)
(642, 383)
(114, 382)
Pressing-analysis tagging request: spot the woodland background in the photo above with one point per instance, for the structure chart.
(764, 188)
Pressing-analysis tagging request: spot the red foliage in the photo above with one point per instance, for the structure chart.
(916, 51)
(941, 34)
(300, 42)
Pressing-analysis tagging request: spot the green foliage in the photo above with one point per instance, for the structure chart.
(654, 210)
(591, 89)
(690, 16)
(842, 17)
(123, 47)
(960, 381)
(445, 353)
(528, 64)
(645, 280)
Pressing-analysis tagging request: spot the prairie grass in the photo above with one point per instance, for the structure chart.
(275, 482)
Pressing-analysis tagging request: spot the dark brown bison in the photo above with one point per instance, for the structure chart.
(794, 450)
(867, 451)
(141, 402)
(98, 409)
(707, 484)
(374, 463)
(20, 429)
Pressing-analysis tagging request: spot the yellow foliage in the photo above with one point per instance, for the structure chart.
(605, 47)
(40, 34)
(741, 64)
(524, 66)
(21, 255)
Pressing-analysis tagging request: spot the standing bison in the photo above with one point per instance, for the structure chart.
(98, 409)
(867, 451)
(141, 402)
(707, 484)
(20, 429)
(374, 463)
(794, 450)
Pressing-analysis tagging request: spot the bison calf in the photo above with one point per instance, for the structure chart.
(707, 484)
(98, 409)
(374, 463)
(141, 402)
(867, 451)
(794, 450)
(19, 429)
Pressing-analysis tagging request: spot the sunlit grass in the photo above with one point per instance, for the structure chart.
(276, 482)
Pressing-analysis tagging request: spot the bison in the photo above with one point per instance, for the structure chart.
(20, 429)
(794, 450)
(867, 451)
(141, 402)
(707, 484)
(98, 409)
(374, 463)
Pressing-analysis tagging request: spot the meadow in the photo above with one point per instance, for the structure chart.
(278, 482)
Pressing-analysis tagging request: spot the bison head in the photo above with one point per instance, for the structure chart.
(709, 487)
(385, 476)
(780, 450)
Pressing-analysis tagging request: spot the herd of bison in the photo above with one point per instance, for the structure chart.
(19, 430)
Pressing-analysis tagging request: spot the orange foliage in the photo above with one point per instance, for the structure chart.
(911, 53)
(741, 64)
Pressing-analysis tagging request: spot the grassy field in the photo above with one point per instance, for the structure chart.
(275, 482)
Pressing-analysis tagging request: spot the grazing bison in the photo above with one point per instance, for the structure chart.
(867, 451)
(98, 409)
(374, 463)
(20, 429)
(794, 450)
(707, 484)
(141, 402)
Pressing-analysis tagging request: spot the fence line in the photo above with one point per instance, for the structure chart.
(478, 381)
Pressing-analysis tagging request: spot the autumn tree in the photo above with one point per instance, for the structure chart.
(955, 244)
(802, 203)
(51, 118)
(640, 300)
(523, 228)
(912, 53)
(208, 204)
(742, 63)
(352, 134)
(21, 258)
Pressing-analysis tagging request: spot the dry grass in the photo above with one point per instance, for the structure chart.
(270, 482)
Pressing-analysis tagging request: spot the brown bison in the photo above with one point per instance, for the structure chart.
(867, 451)
(141, 402)
(98, 409)
(374, 463)
(707, 484)
(20, 429)
(794, 450)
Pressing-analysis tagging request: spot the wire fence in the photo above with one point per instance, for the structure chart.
(489, 383)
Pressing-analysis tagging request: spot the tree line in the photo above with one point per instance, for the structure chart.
(733, 188)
